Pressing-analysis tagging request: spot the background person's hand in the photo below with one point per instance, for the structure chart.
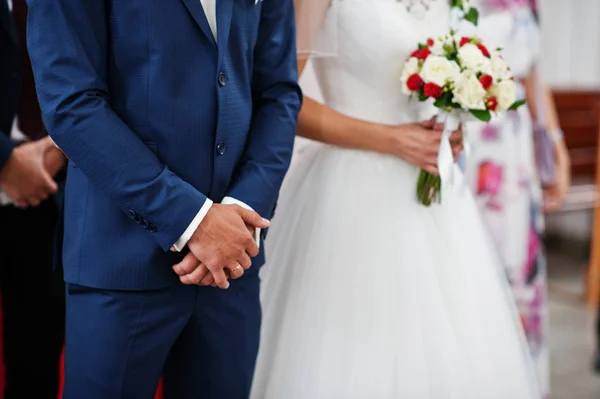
(54, 160)
(554, 195)
(222, 240)
(24, 177)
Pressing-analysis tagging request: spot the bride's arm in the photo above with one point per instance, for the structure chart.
(321, 123)
(415, 143)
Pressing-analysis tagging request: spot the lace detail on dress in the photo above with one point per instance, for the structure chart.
(417, 7)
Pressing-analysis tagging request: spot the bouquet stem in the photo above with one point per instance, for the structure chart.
(429, 188)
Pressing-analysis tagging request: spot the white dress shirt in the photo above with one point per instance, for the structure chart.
(210, 10)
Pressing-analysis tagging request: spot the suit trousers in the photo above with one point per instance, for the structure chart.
(202, 340)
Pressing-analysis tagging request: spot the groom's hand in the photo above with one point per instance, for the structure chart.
(192, 272)
(222, 240)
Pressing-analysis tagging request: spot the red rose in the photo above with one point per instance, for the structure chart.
(432, 90)
(421, 53)
(430, 42)
(491, 103)
(486, 81)
(414, 82)
(484, 50)
(464, 41)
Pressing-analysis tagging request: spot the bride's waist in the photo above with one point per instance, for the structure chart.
(346, 159)
(389, 112)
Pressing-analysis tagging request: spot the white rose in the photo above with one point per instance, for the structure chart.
(440, 43)
(437, 48)
(500, 69)
(439, 70)
(410, 68)
(468, 92)
(472, 58)
(506, 94)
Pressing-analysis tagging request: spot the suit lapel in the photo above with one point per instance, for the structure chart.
(224, 15)
(197, 12)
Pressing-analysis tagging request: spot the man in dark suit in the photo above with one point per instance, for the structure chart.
(176, 116)
(32, 294)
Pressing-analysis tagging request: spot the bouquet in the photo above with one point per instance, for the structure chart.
(463, 78)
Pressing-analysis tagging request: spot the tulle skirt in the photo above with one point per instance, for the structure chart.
(369, 295)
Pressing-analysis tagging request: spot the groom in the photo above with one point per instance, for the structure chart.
(178, 118)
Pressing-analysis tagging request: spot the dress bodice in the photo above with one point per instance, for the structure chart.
(373, 40)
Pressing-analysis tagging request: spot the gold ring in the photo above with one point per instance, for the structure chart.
(236, 268)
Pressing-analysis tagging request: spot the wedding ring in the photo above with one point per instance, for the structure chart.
(236, 268)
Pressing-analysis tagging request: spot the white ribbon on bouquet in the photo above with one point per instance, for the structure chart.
(452, 121)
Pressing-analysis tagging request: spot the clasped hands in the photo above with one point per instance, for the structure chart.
(222, 246)
(27, 175)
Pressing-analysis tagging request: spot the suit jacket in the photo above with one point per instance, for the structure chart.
(9, 80)
(155, 118)
(28, 111)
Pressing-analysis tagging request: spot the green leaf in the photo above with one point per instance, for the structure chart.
(516, 105)
(443, 100)
(422, 46)
(483, 116)
(440, 102)
(472, 16)
(422, 96)
(450, 50)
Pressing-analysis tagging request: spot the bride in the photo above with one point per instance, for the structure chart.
(367, 293)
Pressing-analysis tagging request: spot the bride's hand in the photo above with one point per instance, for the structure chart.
(419, 143)
(456, 138)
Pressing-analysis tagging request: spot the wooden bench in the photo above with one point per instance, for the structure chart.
(579, 115)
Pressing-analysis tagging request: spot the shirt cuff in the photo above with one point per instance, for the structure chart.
(233, 201)
(187, 234)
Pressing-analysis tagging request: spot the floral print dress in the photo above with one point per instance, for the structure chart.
(500, 167)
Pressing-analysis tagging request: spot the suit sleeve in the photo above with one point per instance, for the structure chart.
(67, 41)
(6, 147)
(277, 99)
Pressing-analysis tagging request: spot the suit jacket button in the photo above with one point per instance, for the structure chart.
(132, 214)
(152, 228)
(145, 224)
(222, 79)
(221, 147)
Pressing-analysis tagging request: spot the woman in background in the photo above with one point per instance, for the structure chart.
(503, 172)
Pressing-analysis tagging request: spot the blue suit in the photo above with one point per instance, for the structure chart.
(155, 118)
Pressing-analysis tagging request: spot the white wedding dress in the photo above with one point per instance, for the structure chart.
(366, 293)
